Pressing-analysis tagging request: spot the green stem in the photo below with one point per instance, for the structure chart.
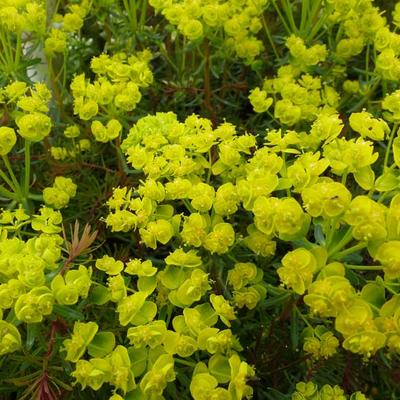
(388, 288)
(303, 318)
(350, 250)
(18, 51)
(331, 232)
(27, 167)
(269, 36)
(184, 362)
(6, 51)
(164, 52)
(278, 11)
(367, 64)
(284, 173)
(8, 181)
(130, 8)
(344, 178)
(364, 267)
(389, 146)
(347, 237)
(304, 12)
(34, 196)
(289, 14)
(16, 186)
(315, 26)
(7, 193)
(143, 14)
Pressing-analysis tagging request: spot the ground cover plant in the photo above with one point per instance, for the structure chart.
(199, 199)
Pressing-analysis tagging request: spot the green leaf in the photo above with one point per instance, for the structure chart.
(99, 295)
(373, 293)
(276, 301)
(284, 183)
(219, 367)
(172, 277)
(138, 359)
(102, 344)
(387, 182)
(319, 234)
(365, 177)
(396, 150)
(32, 331)
(147, 284)
(145, 314)
(164, 211)
(68, 312)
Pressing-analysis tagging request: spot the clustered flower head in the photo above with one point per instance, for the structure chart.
(238, 22)
(29, 107)
(19, 16)
(64, 27)
(59, 195)
(311, 391)
(115, 90)
(193, 200)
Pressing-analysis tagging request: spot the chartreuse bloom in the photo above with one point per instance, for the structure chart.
(31, 307)
(10, 338)
(298, 268)
(310, 391)
(368, 219)
(220, 239)
(352, 156)
(8, 138)
(282, 217)
(83, 334)
(259, 100)
(47, 221)
(388, 254)
(114, 369)
(223, 309)
(151, 334)
(34, 126)
(109, 265)
(117, 84)
(59, 195)
(106, 133)
(156, 379)
(326, 198)
(320, 342)
(237, 26)
(369, 127)
(327, 296)
(74, 284)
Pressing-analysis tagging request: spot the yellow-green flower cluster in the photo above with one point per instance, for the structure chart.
(176, 158)
(115, 89)
(29, 107)
(64, 26)
(311, 391)
(197, 179)
(59, 195)
(305, 57)
(68, 152)
(19, 16)
(296, 96)
(363, 25)
(192, 331)
(246, 281)
(238, 22)
(320, 342)
(25, 268)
